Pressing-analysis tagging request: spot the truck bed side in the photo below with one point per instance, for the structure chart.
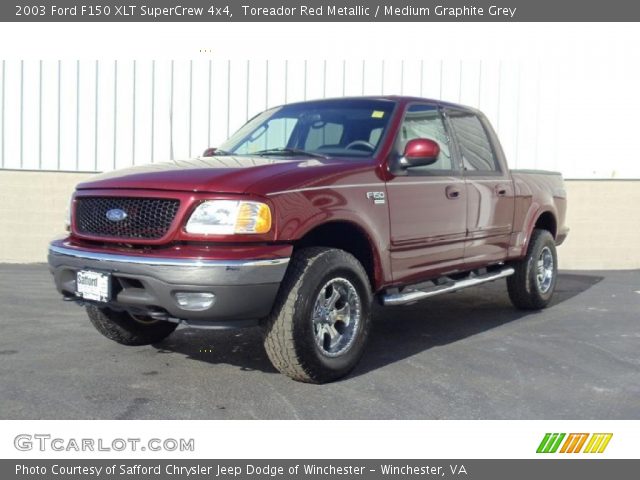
(540, 201)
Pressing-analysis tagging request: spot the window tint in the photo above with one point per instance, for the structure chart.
(477, 154)
(425, 121)
(322, 134)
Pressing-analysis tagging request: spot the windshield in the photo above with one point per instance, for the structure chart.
(340, 128)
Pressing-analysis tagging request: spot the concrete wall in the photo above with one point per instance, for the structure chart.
(605, 230)
(602, 215)
(32, 212)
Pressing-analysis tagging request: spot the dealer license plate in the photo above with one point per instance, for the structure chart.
(93, 285)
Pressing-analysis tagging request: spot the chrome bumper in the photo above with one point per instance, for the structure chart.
(244, 289)
(197, 271)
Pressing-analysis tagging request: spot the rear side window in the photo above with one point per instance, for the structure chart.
(477, 154)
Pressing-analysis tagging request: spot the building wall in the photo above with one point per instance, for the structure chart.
(563, 100)
(602, 217)
(98, 115)
(32, 212)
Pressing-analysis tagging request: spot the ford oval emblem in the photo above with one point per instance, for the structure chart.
(116, 215)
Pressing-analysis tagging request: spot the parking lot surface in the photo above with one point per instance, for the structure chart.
(468, 355)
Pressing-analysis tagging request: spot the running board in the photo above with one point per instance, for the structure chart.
(412, 296)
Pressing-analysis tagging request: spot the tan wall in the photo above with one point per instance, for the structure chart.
(605, 230)
(605, 226)
(32, 212)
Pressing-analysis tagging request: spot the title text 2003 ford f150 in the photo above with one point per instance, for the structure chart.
(302, 219)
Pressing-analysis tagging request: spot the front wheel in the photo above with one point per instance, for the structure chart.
(123, 328)
(320, 323)
(534, 281)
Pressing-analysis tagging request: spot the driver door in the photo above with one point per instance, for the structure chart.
(427, 204)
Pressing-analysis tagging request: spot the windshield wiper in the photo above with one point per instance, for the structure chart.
(289, 151)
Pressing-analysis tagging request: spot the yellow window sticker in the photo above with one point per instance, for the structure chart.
(377, 114)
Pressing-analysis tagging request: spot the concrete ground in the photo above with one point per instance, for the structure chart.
(468, 355)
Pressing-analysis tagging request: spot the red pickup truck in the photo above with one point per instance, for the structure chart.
(303, 218)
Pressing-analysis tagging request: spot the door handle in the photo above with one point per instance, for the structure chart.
(501, 190)
(453, 192)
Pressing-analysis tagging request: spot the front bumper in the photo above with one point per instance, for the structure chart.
(244, 290)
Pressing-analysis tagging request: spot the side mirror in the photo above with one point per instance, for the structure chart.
(420, 152)
(209, 152)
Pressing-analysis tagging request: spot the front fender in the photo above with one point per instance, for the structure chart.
(300, 212)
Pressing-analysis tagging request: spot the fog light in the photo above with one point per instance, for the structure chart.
(195, 301)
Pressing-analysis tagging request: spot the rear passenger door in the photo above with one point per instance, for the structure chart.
(489, 189)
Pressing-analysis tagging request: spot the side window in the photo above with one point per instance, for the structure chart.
(274, 134)
(323, 133)
(477, 154)
(425, 121)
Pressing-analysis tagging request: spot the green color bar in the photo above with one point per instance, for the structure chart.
(558, 442)
(543, 443)
(550, 443)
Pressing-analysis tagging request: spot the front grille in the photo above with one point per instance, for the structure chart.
(146, 218)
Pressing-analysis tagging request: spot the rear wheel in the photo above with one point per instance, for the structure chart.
(533, 283)
(320, 323)
(123, 328)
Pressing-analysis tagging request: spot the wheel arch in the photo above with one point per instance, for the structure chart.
(350, 237)
(544, 219)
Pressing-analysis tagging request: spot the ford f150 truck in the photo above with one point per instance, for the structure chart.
(302, 219)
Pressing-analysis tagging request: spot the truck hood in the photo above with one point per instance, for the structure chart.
(224, 174)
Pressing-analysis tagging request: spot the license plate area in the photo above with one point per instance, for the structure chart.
(94, 286)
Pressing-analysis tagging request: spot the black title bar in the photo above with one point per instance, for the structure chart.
(319, 11)
(164, 469)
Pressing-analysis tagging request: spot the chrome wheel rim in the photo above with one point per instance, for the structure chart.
(336, 317)
(544, 273)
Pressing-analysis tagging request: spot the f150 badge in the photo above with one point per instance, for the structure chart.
(377, 197)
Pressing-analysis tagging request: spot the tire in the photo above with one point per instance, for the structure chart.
(527, 289)
(125, 329)
(320, 322)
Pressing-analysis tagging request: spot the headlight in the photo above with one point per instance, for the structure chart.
(226, 217)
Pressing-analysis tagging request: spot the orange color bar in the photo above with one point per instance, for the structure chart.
(567, 442)
(583, 439)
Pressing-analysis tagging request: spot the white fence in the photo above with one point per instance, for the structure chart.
(96, 115)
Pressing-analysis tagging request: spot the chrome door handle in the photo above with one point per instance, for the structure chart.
(453, 192)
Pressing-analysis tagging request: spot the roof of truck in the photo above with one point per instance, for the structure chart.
(393, 98)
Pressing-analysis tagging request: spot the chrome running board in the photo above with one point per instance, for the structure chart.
(413, 295)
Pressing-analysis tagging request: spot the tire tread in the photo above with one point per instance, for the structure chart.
(279, 340)
(522, 292)
(121, 328)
